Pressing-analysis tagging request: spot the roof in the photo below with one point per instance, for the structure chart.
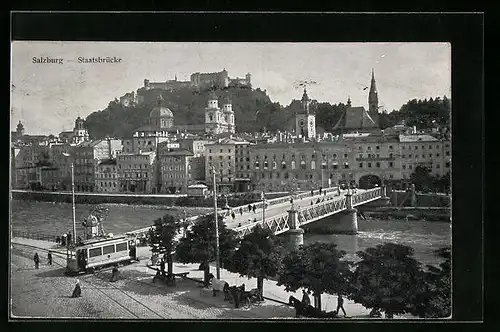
(416, 138)
(161, 112)
(178, 152)
(108, 162)
(197, 186)
(355, 118)
(88, 144)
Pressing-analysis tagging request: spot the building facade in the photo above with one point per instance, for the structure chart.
(175, 170)
(219, 120)
(106, 176)
(137, 172)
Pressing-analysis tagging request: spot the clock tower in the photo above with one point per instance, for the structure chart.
(305, 121)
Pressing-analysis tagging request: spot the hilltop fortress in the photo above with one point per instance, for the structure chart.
(197, 80)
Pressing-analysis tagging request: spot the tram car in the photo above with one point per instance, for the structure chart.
(98, 253)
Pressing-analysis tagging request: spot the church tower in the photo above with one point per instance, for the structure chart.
(373, 100)
(20, 130)
(305, 121)
(213, 116)
(80, 133)
(373, 96)
(227, 110)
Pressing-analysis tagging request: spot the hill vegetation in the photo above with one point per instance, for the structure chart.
(253, 109)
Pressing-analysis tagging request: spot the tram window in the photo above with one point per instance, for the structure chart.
(121, 246)
(95, 252)
(108, 249)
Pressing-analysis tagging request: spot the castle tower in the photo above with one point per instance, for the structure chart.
(373, 96)
(20, 129)
(213, 116)
(305, 121)
(80, 133)
(248, 79)
(227, 110)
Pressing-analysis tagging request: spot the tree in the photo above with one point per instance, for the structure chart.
(199, 244)
(422, 178)
(259, 255)
(387, 278)
(435, 300)
(318, 267)
(164, 237)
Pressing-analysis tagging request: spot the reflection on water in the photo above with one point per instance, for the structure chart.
(55, 218)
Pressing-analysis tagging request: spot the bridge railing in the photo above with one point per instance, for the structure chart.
(320, 210)
(34, 235)
(366, 196)
(277, 224)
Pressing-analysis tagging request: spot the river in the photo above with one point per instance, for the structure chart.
(55, 218)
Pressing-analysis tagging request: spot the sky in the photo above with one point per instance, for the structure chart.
(47, 98)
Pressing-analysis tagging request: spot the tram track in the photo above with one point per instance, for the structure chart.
(94, 286)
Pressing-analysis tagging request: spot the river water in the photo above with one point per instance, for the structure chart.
(55, 218)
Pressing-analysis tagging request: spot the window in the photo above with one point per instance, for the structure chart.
(390, 155)
(283, 165)
(360, 165)
(369, 165)
(265, 164)
(390, 147)
(209, 150)
(229, 150)
(447, 153)
(438, 166)
(335, 166)
(415, 148)
(391, 176)
(377, 147)
(346, 165)
(345, 155)
(313, 164)
(404, 166)
(229, 157)
(404, 148)
(293, 164)
(303, 164)
(403, 156)
(430, 155)
(377, 165)
(220, 150)
(409, 156)
(391, 164)
(108, 249)
(410, 166)
(274, 165)
(334, 156)
(437, 154)
(209, 157)
(313, 156)
(447, 164)
(95, 252)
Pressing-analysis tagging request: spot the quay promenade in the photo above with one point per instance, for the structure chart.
(45, 292)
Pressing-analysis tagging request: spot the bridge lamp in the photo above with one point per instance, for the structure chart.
(217, 259)
(67, 155)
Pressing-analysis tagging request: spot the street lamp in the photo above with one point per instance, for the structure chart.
(217, 261)
(72, 195)
(263, 197)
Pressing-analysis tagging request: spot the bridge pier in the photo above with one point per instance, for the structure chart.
(295, 235)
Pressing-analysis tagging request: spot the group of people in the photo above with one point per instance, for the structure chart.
(251, 207)
(64, 239)
(36, 259)
(306, 301)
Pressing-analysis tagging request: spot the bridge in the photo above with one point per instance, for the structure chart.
(282, 217)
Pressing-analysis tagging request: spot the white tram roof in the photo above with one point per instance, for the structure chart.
(103, 240)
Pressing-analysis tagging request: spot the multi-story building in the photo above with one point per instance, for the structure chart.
(195, 145)
(175, 170)
(137, 172)
(424, 150)
(220, 156)
(242, 166)
(106, 176)
(87, 155)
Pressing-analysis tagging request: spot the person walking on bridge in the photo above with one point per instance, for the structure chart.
(249, 208)
(340, 304)
(253, 208)
(36, 259)
(241, 211)
(49, 258)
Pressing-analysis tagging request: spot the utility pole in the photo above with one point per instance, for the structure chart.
(217, 261)
(73, 200)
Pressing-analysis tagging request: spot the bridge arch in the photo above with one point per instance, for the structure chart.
(369, 181)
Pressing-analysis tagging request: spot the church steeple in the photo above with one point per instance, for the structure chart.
(373, 96)
(305, 102)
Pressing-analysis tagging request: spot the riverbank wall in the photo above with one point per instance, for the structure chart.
(132, 199)
(401, 198)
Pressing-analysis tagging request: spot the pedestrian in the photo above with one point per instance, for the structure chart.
(233, 215)
(36, 259)
(312, 203)
(63, 240)
(312, 192)
(69, 238)
(305, 298)
(254, 219)
(340, 304)
(253, 208)
(162, 266)
(77, 292)
(239, 224)
(320, 190)
(114, 274)
(58, 240)
(49, 258)
(324, 192)
(241, 211)
(249, 208)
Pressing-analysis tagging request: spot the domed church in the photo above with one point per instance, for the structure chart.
(161, 117)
